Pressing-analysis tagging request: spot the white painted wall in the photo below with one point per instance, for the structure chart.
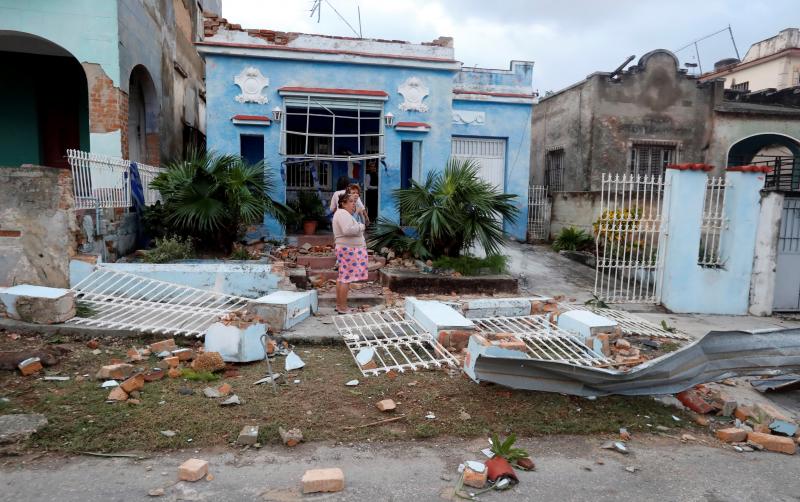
(762, 280)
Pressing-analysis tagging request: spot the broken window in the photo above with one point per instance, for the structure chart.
(554, 170)
(332, 129)
(651, 158)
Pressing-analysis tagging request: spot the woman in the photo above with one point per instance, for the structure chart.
(351, 249)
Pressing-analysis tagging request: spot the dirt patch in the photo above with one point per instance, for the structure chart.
(320, 405)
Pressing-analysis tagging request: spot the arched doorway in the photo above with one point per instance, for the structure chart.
(779, 151)
(143, 117)
(45, 101)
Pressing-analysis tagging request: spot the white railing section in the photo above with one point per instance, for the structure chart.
(538, 213)
(627, 239)
(713, 224)
(103, 181)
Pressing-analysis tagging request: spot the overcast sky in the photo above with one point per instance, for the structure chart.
(567, 39)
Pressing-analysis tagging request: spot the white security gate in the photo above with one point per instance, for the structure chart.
(538, 213)
(627, 239)
(490, 154)
(787, 276)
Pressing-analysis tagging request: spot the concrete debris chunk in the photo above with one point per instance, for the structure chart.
(109, 383)
(618, 446)
(323, 480)
(208, 361)
(233, 400)
(168, 433)
(365, 358)
(156, 492)
(248, 435)
(773, 443)
(167, 345)
(211, 392)
(19, 427)
(352, 383)
(731, 435)
(268, 379)
(119, 371)
(56, 378)
(30, 366)
(386, 405)
(117, 394)
(291, 437)
(293, 362)
(193, 469)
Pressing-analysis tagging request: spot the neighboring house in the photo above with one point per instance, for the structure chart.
(381, 112)
(114, 77)
(773, 63)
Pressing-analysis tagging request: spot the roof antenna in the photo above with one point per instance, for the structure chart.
(317, 7)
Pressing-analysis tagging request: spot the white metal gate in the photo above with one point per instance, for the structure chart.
(787, 276)
(627, 239)
(538, 213)
(490, 154)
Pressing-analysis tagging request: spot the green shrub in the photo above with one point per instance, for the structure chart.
(170, 249)
(199, 376)
(448, 214)
(572, 239)
(215, 197)
(469, 265)
(241, 253)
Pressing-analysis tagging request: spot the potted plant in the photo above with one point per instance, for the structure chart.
(309, 210)
(505, 457)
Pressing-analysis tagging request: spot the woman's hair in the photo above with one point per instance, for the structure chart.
(342, 183)
(345, 197)
(353, 188)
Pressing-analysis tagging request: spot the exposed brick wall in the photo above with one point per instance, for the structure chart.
(123, 122)
(153, 149)
(104, 100)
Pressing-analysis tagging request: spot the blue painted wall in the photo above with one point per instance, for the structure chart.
(509, 121)
(688, 287)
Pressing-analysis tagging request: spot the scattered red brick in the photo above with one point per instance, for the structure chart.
(193, 469)
(30, 366)
(323, 480)
(692, 400)
(773, 443)
(732, 435)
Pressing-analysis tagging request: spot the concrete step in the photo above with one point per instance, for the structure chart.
(353, 299)
(331, 274)
(314, 240)
(328, 261)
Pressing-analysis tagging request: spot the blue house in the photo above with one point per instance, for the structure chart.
(382, 112)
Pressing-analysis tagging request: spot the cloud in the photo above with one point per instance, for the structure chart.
(567, 39)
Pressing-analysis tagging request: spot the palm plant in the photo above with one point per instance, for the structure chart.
(216, 197)
(450, 212)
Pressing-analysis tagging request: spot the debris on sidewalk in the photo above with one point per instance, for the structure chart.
(291, 437)
(119, 371)
(193, 469)
(773, 443)
(780, 383)
(208, 361)
(248, 435)
(233, 400)
(293, 362)
(351, 383)
(269, 379)
(617, 446)
(211, 392)
(474, 474)
(323, 480)
(19, 427)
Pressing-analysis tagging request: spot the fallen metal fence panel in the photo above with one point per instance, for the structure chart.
(630, 324)
(400, 344)
(544, 340)
(120, 300)
(716, 356)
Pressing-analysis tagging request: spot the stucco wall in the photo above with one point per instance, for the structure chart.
(37, 230)
(730, 128)
(777, 73)
(597, 121)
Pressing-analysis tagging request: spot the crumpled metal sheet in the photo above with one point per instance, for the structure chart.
(716, 356)
(781, 383)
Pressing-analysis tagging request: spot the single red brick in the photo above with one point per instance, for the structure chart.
(773, 443)
(732, 435)
(692, 400)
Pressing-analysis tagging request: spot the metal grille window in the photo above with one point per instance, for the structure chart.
(713, 224)
(651, 159)
(554, 170)
(335, 129)
(308, 175)
(744, 86)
